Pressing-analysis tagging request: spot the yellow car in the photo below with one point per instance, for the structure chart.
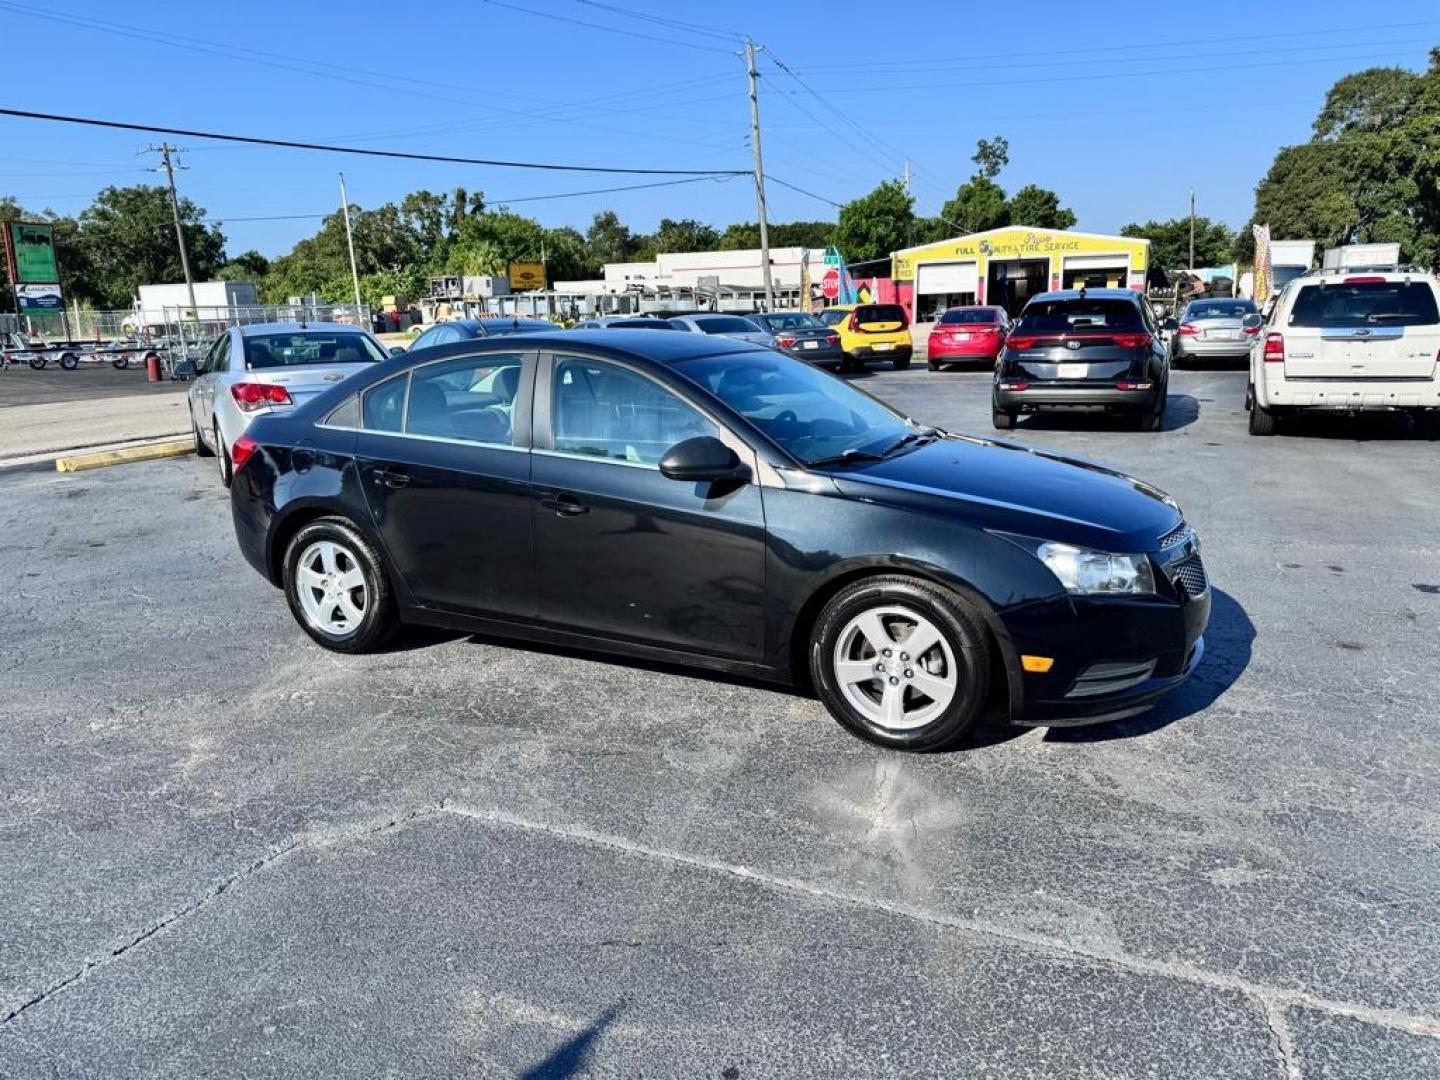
(871, 332)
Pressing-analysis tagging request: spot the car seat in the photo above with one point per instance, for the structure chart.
(428, 413)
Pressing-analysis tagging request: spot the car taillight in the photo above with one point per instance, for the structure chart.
(1018, 342)
(1014, 386)
(1364, 281)
(833, 339)
(242, 451)
(785, 342)
(1132, 341)
(1274, 348)
(1251, 329)
(1188, 329)
(250, 396)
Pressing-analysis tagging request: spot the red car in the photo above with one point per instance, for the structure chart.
(967, 333)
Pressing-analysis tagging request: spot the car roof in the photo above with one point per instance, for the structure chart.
(621, 343)
(1089, 294)
(254, 329)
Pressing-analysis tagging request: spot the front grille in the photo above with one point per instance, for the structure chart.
(1175, 535)
(1189, 574)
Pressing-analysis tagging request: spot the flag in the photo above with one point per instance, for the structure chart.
(805, 280)
(1264, 280)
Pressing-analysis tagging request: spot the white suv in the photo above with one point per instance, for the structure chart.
(1347, 342)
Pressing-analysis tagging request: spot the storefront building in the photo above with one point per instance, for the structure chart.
(1007, 266)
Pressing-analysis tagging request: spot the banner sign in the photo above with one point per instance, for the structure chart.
(30, 253)
(39, 298)
(1264, 283)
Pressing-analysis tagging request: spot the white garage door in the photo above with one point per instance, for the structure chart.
(953, 277)
(1096, 262)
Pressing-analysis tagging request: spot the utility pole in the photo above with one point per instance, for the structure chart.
(907, 176)
(165, 150)
(350, 243)
(910, 225)
(1192, 230)
(759, 175)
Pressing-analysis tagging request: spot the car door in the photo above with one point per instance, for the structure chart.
(444, 460)
(207, 380)
(623, 551)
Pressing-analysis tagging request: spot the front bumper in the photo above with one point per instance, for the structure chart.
(1090, 399)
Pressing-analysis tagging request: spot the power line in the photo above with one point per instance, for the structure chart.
(404, 155)
(660, 20)
(606, 29)
(793, 187)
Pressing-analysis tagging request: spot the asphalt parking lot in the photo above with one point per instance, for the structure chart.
(225, 852)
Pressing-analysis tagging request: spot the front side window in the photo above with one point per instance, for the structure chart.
(302, 347)
(1356, 304)
(810, 414)
(470, 398)
(605, 411)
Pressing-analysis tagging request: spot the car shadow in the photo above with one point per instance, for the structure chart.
(1229, 641)
(1364, 427)
(1181, 410)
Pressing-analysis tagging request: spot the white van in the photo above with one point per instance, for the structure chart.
(1347, 342)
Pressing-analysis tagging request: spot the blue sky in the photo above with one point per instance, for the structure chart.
(1120, 110)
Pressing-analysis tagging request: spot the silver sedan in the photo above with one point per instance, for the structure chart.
(250, 371)
(1213, 330)
(733, 326)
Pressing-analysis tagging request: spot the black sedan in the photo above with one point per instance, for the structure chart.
(803, 336)
(684, 497)
(1092, 350)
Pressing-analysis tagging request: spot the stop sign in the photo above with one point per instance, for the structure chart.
(830, 284)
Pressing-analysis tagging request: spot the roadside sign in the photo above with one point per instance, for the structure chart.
(830, 284)
(30, 252)
(526, 275)
(39, 298)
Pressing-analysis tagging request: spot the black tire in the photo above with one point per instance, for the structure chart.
(850, 364)
(901, 363)
(201, 450)
(121, 362)
(381, 618)
(960, 628)
(227, 467)
(38, 361)
(1262, 421)
(68, 361)
(933, 365)
(1151, 417)
(1003, 419)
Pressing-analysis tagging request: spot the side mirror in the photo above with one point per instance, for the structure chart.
(185, 369)
(1170, 325)
(703, 459)
(397, 350)
(1251, 322)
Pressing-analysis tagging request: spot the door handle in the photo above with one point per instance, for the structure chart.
(391, 478)
(563, 503)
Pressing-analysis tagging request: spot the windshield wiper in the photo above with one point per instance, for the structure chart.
(918, 435)
(844, 458)
(1380, 316)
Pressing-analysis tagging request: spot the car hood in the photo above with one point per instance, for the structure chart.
(1006, 487)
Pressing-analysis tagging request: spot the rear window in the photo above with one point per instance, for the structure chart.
(1367, 303)
(879, 313)
(720, 324)
(970, 315)
(832, 316)
(796, 321)
(1058, 316)
(309, 347)
(1230, 309)
(500, 327)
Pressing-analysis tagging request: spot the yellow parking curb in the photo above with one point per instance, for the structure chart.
(77, 462)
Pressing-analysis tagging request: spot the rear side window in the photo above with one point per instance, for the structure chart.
(383, 406)
(346, 414)
(1365, 303)
(1059, 316)
(879, 313)
(970, 315)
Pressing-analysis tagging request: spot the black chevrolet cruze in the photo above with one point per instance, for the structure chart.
(689, 498)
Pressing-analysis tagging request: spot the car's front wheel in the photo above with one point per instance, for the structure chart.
(901, 662)
(222, 452)
(337, 588)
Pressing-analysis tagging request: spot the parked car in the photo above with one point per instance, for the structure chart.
(967, 333)
(803, 336)
(252, 371)
(1346, 342)
(1213, 330)
(871, 332)
(626, 322)
(732, 326)
(692, 498)
(1083, 349)
(445, 333)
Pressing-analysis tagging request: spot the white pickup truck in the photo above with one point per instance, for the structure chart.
(1347, 342)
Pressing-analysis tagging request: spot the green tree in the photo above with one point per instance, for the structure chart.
(1367, 101)
(874, 225)
(1170, 242)
(992, 155)
(247, 266)
(686, 234)
(608, 240)
(1039, 208)
(979, 204)
(127, 239)
(565, 255)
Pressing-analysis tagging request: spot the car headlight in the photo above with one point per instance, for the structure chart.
(1097, 573)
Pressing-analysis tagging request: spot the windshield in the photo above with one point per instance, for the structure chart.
(831, 316)
(726, 324)
(970, 315)
(808, 413)
(1283, 275)
(1229, 309)
(1365, 303)
(1058, 316)
(310, 347)
(795, 321)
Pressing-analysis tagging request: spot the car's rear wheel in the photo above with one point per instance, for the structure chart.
(901, 363)
(1003, 419)
(337, 588)
(201, 450)
(901, 662)
(222, 453)
(1154, 413)
(1262, 420)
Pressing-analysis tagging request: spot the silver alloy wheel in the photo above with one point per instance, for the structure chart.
(331, 587)
(894, 667)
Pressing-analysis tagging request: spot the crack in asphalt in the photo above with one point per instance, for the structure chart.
(1272, 1001)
